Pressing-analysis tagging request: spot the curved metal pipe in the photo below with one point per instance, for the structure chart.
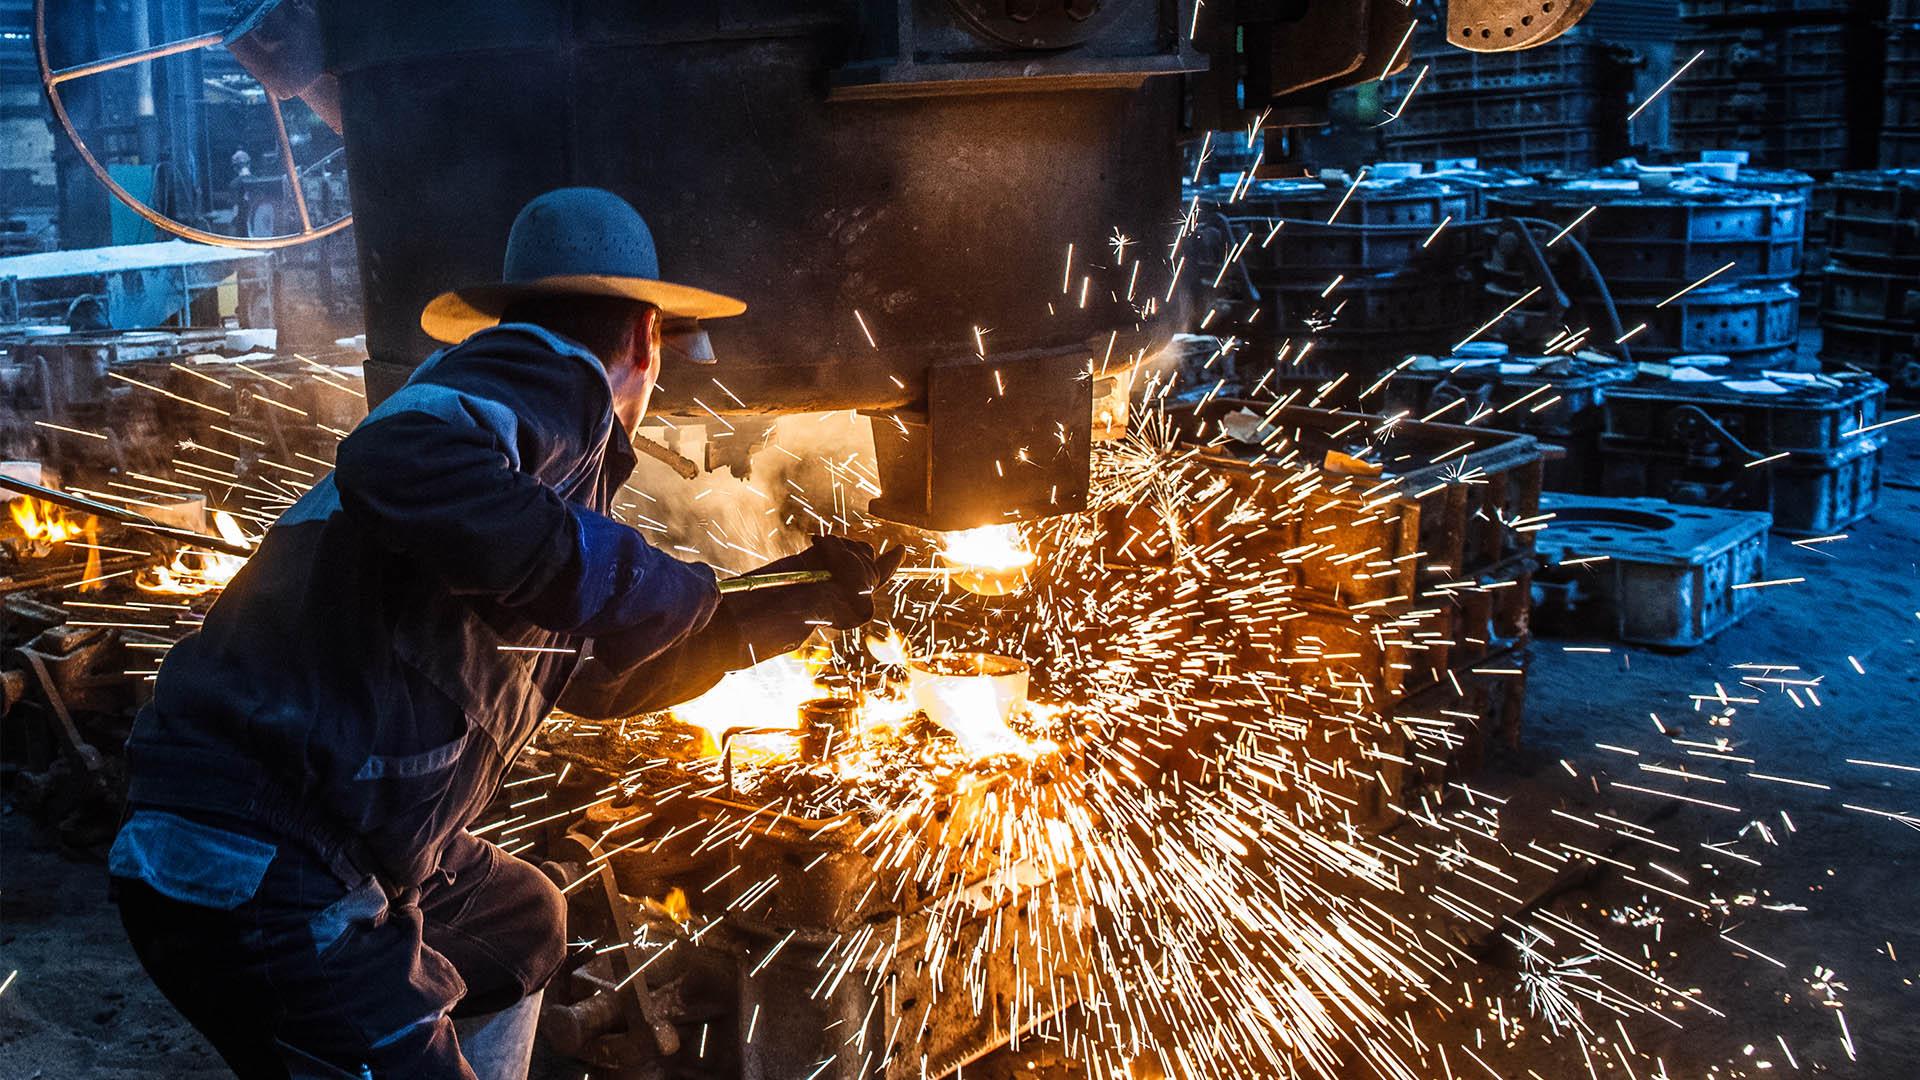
(50, 80)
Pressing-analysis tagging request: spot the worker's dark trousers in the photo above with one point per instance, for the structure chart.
(313, 979)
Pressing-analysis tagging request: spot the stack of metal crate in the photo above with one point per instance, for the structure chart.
(1533, 110)
(1410, 588)
(1344, 273)
(1690, 264)
(1804, 448)
(1900, 112)
(1870, 307)
(1772, 78)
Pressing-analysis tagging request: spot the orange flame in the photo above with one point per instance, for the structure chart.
(43, 521)
(989, 547)
(195, 571)
(674, 905)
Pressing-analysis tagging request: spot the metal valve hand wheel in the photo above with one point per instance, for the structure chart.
(51, 79)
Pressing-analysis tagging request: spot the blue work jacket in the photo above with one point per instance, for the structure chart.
(364, 682)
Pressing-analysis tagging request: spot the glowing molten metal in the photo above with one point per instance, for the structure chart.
(766, 695)
(992, 560)
(973, 696)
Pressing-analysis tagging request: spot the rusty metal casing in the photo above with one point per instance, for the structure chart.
(786, 153)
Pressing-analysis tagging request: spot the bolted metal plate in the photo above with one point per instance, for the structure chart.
(1510, 25)
(1003, 439)
(1039, 24)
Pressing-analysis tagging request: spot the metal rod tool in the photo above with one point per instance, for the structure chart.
(751, 582)
(125, 517)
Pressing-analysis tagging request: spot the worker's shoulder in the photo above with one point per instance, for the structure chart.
(523, 360)
(521, 342)
(515, 383)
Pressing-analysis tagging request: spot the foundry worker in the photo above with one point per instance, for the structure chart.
(296, 872)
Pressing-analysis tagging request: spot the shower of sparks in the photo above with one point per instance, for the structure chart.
(1407, 98)
(1227, 835)
(1215, 819)
(1671, 79)
(1571, 225)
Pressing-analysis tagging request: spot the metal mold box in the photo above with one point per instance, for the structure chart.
(1887, 350)
(1799, 455)
(1810, 420)
(1554, 398)
(1557, 402)
(1648, 243)
(1756, 326)
(1429, 525)
(1672, 573)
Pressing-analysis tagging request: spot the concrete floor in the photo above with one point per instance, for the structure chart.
(1845, 881)
(1833, 907)
(1854, 874)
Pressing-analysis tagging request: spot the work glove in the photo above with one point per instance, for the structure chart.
(846, 601)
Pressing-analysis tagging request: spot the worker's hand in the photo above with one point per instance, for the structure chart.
(847, 600)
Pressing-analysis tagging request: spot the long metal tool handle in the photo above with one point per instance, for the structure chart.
(125, 517)
(751, 582)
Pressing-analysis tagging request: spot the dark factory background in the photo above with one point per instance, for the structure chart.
(193, 136)
(1809, 88)
(1637, 308)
